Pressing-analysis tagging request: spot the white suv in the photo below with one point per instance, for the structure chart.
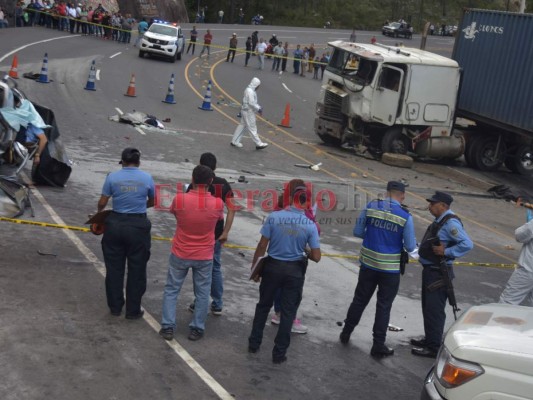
(165, 40)
(487, 355)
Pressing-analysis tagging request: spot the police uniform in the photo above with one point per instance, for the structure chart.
(452, 235)
(386, 228)
(127, 234)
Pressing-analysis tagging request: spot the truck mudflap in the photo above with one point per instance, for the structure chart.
(329, 131)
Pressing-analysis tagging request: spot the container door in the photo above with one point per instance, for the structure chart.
(386, 98)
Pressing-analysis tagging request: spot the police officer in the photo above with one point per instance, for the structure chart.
(454, 243)
(127, 233)
(386, 228)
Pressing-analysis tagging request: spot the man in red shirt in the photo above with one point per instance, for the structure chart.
(207, 44)
(197, 212)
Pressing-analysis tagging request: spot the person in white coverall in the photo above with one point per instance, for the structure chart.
(248, 109)
(519, 288)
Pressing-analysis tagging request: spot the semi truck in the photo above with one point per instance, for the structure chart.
(387, 99)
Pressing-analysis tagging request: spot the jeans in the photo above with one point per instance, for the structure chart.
(276, 63)
(433, 306)
(217, 287)
(261, 60)
(289, 277)
(204, 48)
(177, 272)
(369, 280)
(193, 44)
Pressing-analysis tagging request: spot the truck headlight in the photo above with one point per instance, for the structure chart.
(452, 372)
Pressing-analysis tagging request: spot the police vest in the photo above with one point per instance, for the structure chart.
(383, 242)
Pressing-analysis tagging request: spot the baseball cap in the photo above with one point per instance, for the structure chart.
(441, 197)
(395, 185)
(130, 155)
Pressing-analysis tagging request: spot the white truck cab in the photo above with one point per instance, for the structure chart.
(389, 100)
(163, 39)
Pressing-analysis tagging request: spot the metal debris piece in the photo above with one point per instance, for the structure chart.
(395, 328)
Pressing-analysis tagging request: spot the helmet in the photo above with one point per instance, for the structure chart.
(273, 35)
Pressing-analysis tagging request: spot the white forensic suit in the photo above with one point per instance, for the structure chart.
(248, 122)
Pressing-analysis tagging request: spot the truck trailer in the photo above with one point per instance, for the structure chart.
(386, 99)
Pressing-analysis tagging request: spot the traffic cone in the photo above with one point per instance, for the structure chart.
(131, 88)
(206, 105)
(92, 75)
(170, 94)
(13, 72)
(43, 77)
(285, 122)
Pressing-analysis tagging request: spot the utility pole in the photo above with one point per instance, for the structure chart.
(522, 6)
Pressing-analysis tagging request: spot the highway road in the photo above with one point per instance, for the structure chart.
(57, 339)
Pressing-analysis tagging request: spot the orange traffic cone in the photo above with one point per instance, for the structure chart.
(286, 121)
(13, 72)
(131, 87)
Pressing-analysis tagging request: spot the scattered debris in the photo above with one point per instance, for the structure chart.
(42, 253)
(339, 323)
(241, 254)
(509, 247)
(242, 179)
(395, 328)
(252, 173)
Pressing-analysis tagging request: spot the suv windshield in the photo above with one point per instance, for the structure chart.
(352, 67)
(164, 30)
(394, 25)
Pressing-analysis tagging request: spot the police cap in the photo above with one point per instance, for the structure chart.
(130, 155)
(441, 197)
(395, 185)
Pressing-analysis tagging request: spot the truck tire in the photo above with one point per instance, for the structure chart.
(483, 153)
(523, 161)
(395, 142)
(141, 53)
(397, 160)
(327, 139)
(178, 56)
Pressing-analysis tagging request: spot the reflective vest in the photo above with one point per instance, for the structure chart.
(383, 241)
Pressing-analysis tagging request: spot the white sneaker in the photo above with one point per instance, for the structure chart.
(275, 319)
(239, 145)
(297, 327)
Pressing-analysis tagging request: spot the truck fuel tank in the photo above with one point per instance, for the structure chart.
(441, 147)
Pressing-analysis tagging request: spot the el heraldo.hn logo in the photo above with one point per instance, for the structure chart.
(472, 30)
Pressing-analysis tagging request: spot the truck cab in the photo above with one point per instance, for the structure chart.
(389, 100)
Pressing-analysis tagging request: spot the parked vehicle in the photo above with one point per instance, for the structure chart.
(397, 29)
(486, 354)
(163, 39)
(403, 100)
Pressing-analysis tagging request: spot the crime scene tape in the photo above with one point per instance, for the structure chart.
(234, 246)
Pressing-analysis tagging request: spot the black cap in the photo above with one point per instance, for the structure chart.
(130, 155)
(395, 185)
(441, 197)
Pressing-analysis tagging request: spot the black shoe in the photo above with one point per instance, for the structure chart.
(381, 351)
(344, 337)
(424, 352)
(279, 359)
(253, 349)
(115, 313)
(167, 333)
(418, 342)
(136, 316)
(216, 310)
(195, 335)
(191, 307)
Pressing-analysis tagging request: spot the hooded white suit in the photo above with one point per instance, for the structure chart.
(248, 109)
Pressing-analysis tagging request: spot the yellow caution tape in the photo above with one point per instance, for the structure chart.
(235, 246)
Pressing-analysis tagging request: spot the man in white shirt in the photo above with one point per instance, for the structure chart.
(260, 49)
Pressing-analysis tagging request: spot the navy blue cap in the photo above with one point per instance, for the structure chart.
(395, 185)
(441, 197)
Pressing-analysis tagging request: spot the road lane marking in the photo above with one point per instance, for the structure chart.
(97, 74)
(116, 54)
(140, 130)
(33, 44)
(99, 266)
(286, 88)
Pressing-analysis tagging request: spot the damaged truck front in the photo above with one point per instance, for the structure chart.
(384, 99)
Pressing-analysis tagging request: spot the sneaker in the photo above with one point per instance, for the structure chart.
(195, 335)
(297, 327)
(275, 319)
(344, 337)
(216, 310)
(239, 145)
(191, 307)
(167, 333)
(261, 146)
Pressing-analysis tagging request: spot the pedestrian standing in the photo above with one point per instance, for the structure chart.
(249, 50)
(386, 228)
(278, 55)
(255, 40)
(260, 50)
(192, 40)
(142, 27)
(316, 67)
(221, 189)
(291, 239)
(305, 60)
(285, 56)
(454, 243)
(311, 58)
(298, 54)
(323, 63)
(220, 16)
(241, 16)
(353, 37)
(232, 47)
(207, 44)
(248, 121)
(197, 213)
(127, 233)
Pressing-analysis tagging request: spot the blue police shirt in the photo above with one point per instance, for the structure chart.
(32, 133)
(454, 238)
(129, 188)
(289, 231)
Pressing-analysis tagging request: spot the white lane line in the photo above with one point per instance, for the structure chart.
(286, 88)
(140, 130)
(119, 110)
(34, 43)
(116, 54)
(174, 345)
(97, 74)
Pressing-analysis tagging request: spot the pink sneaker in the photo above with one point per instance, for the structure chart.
(297, 327)
(275, 319)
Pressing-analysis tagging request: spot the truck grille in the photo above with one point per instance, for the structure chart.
(332, 106)
(156, 41)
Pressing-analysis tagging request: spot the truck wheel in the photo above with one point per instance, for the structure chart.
(483, 153)
(523, 161)
(333, 141)
(395, 142)
(397, 160)
(178, 56)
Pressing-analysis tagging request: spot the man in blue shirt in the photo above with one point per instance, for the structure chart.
(454, 243)
(127, 233)
(386, 228)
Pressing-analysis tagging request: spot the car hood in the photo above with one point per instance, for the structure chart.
(158, 36)
(496, 335)
(390, 28)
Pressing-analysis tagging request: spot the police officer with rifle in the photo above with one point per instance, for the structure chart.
(444, 241)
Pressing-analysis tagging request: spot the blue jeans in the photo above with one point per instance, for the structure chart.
(177, 272)
(217, 288)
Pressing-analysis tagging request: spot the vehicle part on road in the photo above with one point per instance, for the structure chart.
(131, 87)
(206, 105)
(13, 72)
(169, 99)
(43, 77)
(92, 76)
(397, 160)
